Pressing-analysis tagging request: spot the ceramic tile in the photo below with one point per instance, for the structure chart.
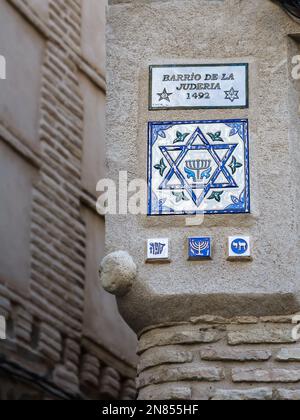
(158, 249)
(239, 246)
(198, 167)
(199, 248)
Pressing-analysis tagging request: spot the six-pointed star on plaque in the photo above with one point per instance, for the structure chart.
(198, 86)
(198, 167)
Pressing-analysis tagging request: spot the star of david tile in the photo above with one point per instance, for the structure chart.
(192, 167)
(198, 167)
(232, 94)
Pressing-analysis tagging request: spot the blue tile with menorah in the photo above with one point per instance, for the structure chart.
(200, 248)
(198, 167)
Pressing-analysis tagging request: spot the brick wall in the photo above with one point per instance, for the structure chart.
(46, 345)
(212, 358)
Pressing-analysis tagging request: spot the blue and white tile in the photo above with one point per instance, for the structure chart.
(200, 248)
(239, 247)
(198, 167)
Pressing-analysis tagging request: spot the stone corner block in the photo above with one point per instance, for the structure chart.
(192, 372)
(287, 395)
(166, 392)
(260, 334)
(118, 273)
(288, 355)
(265, 375)
(256, 394)
(160, 356)
(179, 335)
(225, 355)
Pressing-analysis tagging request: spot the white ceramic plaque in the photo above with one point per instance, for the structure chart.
(198, 86)
(158, 249)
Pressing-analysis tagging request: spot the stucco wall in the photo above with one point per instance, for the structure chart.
(211, 330)
(144, 33)
(17, 177)
(94, 163)
(24, 51)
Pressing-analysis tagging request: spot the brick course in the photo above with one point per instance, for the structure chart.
(246, 359)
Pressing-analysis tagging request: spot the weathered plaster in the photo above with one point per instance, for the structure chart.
(193, 31)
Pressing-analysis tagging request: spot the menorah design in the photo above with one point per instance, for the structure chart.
(199, 246)
(198, 165)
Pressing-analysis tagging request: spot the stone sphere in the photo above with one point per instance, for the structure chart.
(118, 273)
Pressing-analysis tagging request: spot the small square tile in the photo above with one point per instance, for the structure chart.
(239, 247)
(199, 248)
(198, 167)
(158, 249)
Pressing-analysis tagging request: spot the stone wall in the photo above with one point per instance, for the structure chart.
(52, 154)
(212, 358)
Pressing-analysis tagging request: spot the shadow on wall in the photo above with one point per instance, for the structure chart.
(291, 6)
